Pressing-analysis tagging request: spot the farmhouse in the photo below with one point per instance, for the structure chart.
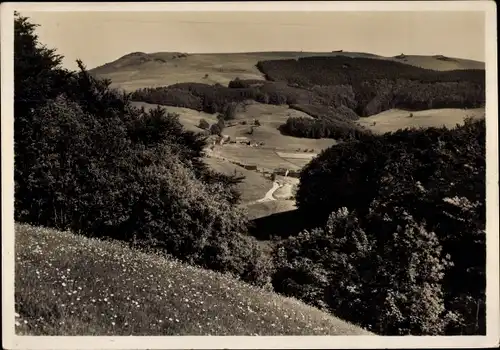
(242, 140)
(250, 167)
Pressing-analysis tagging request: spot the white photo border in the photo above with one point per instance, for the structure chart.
(12, 341)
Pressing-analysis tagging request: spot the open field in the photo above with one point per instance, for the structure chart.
(140, 70)
(264, 158)
(395, 119)
(70, 285)
(307, 156)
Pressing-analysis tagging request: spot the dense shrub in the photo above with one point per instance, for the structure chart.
(38, 77)
(388, 282)
(437, 176)
(203, 124)
(215, 129)
(96, 165)
(230, 111)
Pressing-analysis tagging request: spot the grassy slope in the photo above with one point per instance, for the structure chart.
(395, 119)
(71, 285)
(189, 118)
(130, 73)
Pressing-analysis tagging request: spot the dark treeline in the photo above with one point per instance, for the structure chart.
(322, 128)
(377, 96)
(329, 105)
(339, 70)
(215, 98)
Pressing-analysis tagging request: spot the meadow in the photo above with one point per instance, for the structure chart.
(395, 119)
(72, 285)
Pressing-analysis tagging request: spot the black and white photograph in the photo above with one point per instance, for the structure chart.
(241, 175)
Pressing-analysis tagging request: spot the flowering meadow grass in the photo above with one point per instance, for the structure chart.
(67, 284)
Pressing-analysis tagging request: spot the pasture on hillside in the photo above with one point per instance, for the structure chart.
(189, 118)
(395, 119)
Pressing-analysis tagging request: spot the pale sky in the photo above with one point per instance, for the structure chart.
(101, 37)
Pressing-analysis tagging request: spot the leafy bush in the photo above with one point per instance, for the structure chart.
(215, 129)
(389, 282)
(437, 176)
(203, 124)
(230, 111)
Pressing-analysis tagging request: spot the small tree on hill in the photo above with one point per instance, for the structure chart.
(204, 124)
(230, 111)
(215, 129)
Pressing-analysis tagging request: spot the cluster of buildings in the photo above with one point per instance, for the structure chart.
(225, 139)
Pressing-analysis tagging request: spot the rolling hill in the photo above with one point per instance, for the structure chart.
(140, 70)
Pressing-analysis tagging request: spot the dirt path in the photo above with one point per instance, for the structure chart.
(269, 194)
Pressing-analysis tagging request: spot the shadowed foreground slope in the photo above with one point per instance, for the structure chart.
(71, 285)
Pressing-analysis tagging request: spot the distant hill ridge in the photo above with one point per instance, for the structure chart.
(138, 70)
(140, 57)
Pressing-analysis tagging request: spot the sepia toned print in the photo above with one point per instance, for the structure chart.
(251, 174)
